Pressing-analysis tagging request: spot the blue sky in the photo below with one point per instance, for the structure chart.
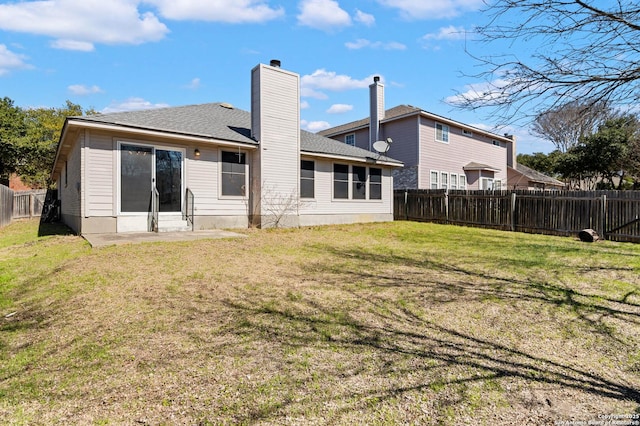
(115, 55)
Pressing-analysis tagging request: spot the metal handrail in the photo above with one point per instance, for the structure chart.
(189, 208)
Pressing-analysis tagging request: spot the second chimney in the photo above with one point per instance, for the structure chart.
(376, 110)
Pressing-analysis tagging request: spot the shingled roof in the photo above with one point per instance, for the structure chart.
(536, 176)
(392, 113)
(220, 121)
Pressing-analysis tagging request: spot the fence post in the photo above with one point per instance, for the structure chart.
(446, 205)
(513, 212)
(603, 214)
(406, 205)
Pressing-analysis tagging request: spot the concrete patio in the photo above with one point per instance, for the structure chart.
(103, 240)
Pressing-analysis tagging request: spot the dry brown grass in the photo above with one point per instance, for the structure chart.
(397, 323)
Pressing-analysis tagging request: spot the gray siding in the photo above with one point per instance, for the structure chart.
(70, 185)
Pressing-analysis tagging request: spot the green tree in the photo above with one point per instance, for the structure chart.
(12, 130)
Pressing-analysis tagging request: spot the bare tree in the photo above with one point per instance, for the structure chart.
(566, 124)
(575, 50)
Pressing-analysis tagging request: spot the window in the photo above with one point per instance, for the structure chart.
(454, 181)
(359, 176)
(375, 184)
(434, 180)
(307, 179)
(442, 132)
(234, 174)
(350, 139)
(66, 174)
(486, 184)
(495, 142)
(467, 132)
(462, 182)
(444, 180)
(351, 182)
(341, 181)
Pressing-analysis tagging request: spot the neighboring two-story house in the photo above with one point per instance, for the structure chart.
(438, 153)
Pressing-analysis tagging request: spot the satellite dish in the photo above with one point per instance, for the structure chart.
(382, 146)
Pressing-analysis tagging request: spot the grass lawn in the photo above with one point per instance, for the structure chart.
(395, 323)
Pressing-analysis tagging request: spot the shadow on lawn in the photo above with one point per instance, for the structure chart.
(308, 323)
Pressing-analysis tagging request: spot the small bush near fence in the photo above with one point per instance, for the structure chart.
(6, 205)
(614, 215)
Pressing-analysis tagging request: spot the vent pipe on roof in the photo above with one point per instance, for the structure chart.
(275, 63)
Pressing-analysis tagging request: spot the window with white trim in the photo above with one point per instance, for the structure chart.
(462, 182)
(233, 173)
(375, 183)
(454, 181)
(433, 184)
(467, 132)
(350, 139)
(442, 133)
(307, 179)
(444, 180)
(356, 182)
(487, 184)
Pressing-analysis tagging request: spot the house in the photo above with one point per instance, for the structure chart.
(523, 177)
(438, 153)
(215, 166)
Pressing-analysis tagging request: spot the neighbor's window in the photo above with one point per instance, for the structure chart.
(234, 173)
(462, 183)
(341, 181)
(486, 184)
(454, 181)
(307, 179)
(444, 180)
(350, 139)
(359, 191)
(442, 132)
(434, 180)
(467, 132)
(375, 184)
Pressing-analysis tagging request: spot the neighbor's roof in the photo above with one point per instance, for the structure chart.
(479, 166)
(402, 111)
(220, 121)
(536, 176)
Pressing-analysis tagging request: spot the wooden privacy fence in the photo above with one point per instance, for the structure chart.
(28, 203)
(6, 205)
(613, 215)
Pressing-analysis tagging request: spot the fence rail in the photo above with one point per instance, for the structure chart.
(614, 215)
(28, 203)
(6, 205)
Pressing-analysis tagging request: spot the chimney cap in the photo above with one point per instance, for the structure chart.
(275, 63)
(376, 78)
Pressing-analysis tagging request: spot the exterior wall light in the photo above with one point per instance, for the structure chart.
(197, 153)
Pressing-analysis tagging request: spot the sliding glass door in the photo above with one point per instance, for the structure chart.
(143, 166)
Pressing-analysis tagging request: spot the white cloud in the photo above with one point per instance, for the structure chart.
(314, 126)
(304, 105)
(364, 18)
(432, 9)
(447, 33)
(193, 84)
(82, 90)
(10, 60)
(131, 104)
(339, 108)
(323, 15)
(230, 11)
(77, 25)
(313, 84)
(362, 43)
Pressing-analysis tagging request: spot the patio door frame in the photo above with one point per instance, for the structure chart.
(154, 148)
